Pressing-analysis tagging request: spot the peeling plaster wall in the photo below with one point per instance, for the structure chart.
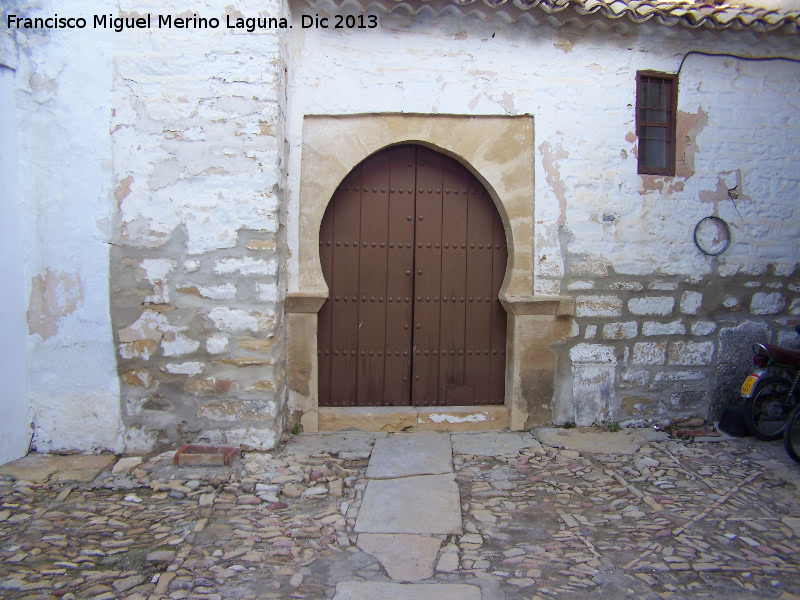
(15, 432)
(159, 174)
(648, 338)
(151, 175)
(197, 268)
(63, 94)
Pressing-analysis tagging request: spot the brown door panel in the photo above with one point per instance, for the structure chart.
(414, 253)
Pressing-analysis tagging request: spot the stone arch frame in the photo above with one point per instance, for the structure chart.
(499, 151)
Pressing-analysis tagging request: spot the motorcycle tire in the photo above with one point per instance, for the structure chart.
(766, 412)
(791, 437)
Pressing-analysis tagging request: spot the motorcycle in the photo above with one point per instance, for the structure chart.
(770, 392)
(791, 437)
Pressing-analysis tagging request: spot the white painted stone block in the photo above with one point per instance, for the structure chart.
(767, 304)
(703, 327)
(621, 331)
(246, 266)
(593, 353)
(629, 286)
(649, 353)
(653, 305)
(156, 269)
(218, 292)
(187, 368)
(666, 286)
(591, 332)
(581, 285)
(732, 303)
(547, 287)
(217, 344)
(655, 328)
(177, 345)
(691, 353)
(670, 376)
(598, 306)
(592, 390)
(267, 292)
(234, 320)
(690, 302)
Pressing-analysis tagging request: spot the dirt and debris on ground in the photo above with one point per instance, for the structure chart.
(581, 514)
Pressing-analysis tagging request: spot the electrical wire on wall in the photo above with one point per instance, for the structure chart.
(734, 56)
(712, 235)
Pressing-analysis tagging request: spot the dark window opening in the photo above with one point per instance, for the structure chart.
(656, 108)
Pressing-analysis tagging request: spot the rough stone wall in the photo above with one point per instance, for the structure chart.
(662, 347)
(152, 160)
(197, 272)
(661, 330)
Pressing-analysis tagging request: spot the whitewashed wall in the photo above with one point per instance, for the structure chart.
(647, 339)
(150, 163)
(155, 190)
(63, 97)
(15, 432)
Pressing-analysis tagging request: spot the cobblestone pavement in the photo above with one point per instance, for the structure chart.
(674, 520)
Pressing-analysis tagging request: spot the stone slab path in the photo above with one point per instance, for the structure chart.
(410, 503)
(427, 504)
(404, 455)
(395, 591)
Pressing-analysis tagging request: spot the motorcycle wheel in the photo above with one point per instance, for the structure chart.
(766, 412)
(791, 437)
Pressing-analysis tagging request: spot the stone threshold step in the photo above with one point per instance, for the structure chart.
(352, 590)
(411, 418)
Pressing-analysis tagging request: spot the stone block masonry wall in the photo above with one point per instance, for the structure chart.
(663, 347)
(197, 274)
(201, 359)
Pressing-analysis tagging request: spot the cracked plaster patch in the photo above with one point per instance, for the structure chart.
(53, 296)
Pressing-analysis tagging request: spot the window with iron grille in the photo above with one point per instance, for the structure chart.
(656, 108)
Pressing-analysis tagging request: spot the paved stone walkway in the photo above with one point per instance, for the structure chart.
(557, 514)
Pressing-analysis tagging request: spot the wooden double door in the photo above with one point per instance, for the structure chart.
(414, 253)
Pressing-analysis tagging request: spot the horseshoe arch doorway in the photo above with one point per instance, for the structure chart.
(414, 253)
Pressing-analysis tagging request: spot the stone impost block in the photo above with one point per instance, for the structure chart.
(598, 306)
(691, 353)
(652, 305)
